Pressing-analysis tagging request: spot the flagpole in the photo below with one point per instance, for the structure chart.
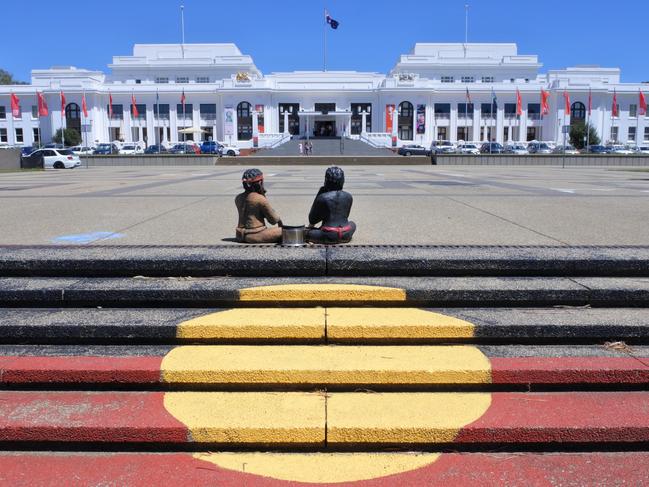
(155, 119)
(182, 29)
(324, 42)
(62, 128)
(590, 106)
(637, 123)
(83, 130)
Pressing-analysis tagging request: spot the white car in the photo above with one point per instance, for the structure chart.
(569, 150)
(619, 150)
(516, 149)
(468, 149)
(643, 150)
(81, 150)
(58, 158)
(130, 149)
(228, 150)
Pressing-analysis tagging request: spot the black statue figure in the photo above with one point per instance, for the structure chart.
(331, 207)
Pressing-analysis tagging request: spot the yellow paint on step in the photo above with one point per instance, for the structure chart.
(393, 323)
(320, 467)
(326, 364)
(407, 418)
(241, 418)
(322, 293)
(246, 323)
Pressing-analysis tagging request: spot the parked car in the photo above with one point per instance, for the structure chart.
(130, 149)
(468, 149)
(643, 150)
(539, 148)
(57, 158)
(516, 149)
(569, 150)
(106, 149)
(619, 150)
(82, 150)
(25, 151)
(211, 147)
(597, 149)
(156, 149)
(413, 150)
(442, 147)
(491, 148)
(52, 145)
(183, 148)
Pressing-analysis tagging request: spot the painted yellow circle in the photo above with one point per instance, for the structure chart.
(260, 418)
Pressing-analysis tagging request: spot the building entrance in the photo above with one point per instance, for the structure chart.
(324, 128)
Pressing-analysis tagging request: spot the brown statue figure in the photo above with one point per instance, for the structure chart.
(331, 207)
(254, 210)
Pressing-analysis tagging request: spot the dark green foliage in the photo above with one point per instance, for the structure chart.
(72, 137)
(578, 135)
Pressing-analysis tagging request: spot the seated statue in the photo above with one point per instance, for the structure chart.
(254, 210)
(331, 207)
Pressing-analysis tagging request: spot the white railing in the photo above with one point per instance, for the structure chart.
(270, 140)
(377, 139)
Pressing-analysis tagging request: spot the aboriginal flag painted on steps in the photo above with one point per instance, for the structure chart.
(330, 20)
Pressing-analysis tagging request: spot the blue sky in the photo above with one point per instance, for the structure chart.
(286, 35)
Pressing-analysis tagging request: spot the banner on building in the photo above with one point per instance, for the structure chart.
(228, 121)
(389, 110)
(421, 119)
(260, 118)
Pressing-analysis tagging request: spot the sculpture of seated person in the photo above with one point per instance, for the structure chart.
(254, 210)
(331, 207)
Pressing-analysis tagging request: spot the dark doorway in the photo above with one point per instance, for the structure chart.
(324, 128)
(293, 118)
(325, 108)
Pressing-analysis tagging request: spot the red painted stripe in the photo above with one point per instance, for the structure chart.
(88, 416)
(80, 369)
(453, 469)
(570, 370)
(571, 417)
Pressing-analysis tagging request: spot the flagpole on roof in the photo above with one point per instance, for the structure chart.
(324, 41)
(466, 27)
(182, 30)
(637, 122)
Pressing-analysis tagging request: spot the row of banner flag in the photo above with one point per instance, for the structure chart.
(43, 110)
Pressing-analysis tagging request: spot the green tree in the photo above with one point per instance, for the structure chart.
(72, 137)
(6, 78)
(578, 133)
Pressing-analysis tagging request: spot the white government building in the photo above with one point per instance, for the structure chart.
(423, 98)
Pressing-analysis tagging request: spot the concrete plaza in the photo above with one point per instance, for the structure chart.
(460, 205)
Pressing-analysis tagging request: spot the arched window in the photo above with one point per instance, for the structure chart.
(406, 120)
(577, 112)
(73, 117)
(244, 121)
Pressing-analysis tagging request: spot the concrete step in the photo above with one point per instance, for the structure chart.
(326, 366)
(318, 420)
(317, 325)
(272, 469)
(348, 260)
(328, 291)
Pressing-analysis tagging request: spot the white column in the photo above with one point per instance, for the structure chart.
(364, 122)
(395, 121)
(522, 129)
(285, 122)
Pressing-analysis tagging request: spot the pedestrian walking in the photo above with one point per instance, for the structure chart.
(301, 147)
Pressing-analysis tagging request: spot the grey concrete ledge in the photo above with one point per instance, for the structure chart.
(159, 325)
(361, 260)
(420, 292)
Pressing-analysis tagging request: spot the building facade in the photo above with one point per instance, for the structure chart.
(453, 92)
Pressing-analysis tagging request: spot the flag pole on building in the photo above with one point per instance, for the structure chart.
(590, 107)
(324, 42)
(466, 27)
(182, 30)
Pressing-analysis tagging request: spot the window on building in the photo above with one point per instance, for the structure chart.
(510, 110)
(442, 111)
(534, 111)
(614, 133)
(182, 79)
(357, 117)
(646, 134)
(531, 133)
(244, 121)
(184, 112)
(325, 108)
(138, 81)
(633, 110)
(293, 118)
(448, 79)
(34, 111)
(506, 133)
(36, 135)
(118, 112)
(3, 135)
(463, 133)
(487, 110)
(442, 133)
(202, 79)
(141, 112)
(405, 120)
(488, 79)
(3, 113)
(468, 79)
(465, 110)
(208, 111)
(161, 111)
(577, 113)
(19, 136)
(162, 80)
(632, 134)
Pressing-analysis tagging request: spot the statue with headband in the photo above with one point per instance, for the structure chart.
(255, 210)
(332, 206)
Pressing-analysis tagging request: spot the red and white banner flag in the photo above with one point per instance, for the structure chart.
(566, 99)
(110, 105)
(84, 107)
(643, 104)
(519, 103)
(62, 95)
(545, 106)
(614, 106)
(15, 106)
(43, 111)
(134, 107)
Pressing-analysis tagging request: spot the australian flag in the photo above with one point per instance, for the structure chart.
(329, 19)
